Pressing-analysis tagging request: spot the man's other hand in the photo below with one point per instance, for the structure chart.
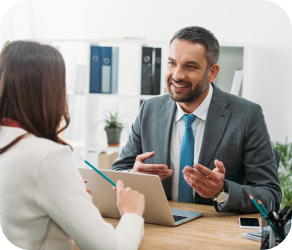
(206, 182)
(156, 169)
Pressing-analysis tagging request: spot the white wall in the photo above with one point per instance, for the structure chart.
(261, 24)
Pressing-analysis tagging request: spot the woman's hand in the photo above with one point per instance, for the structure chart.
(129, 201)
(88, 189)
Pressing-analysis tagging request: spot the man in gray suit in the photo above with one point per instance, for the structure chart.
(207, 146)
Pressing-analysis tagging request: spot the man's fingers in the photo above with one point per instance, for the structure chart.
(158, 172)
(195, 172)
(145, 156)
(163, 176)
(165, 173)
(196, 180)
(220, 166)
(150, 167)
(197, 188)
(198, 175)
(204, 171)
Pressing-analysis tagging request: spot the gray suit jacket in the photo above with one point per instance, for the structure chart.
(235, 133)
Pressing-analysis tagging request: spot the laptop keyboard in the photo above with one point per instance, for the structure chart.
(178, 218)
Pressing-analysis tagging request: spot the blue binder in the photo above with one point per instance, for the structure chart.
(104, 64)
(115, 69)
(95, 69)
(106, 69)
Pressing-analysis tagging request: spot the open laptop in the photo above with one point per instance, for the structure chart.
(157, 210)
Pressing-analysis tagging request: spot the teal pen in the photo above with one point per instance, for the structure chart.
(104, 176)
(264, 215)
(263, 208)
(257, 206)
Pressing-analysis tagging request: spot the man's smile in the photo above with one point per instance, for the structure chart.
(179, 86)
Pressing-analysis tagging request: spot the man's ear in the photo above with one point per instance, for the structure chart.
(213, 72)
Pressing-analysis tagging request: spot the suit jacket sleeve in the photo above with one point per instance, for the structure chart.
(260, 168)
(133, 148)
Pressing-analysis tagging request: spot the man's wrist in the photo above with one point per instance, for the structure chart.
(221, 190)
(223, 195)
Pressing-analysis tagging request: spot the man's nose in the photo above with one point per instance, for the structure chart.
(178, 74)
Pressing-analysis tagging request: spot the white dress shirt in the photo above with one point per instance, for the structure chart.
(178, 130)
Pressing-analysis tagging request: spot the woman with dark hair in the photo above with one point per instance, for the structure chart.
(44, 203)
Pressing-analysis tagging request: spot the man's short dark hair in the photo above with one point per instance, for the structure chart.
(196, 34)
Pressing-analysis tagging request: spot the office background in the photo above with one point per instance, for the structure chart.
(262, 25)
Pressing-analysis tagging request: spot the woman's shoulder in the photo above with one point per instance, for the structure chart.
(28, 143)
(43, 146)
(32, 153)
(45, 154)
(30, 147)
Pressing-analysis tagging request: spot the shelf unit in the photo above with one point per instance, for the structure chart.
(232, 56)
(86, 133)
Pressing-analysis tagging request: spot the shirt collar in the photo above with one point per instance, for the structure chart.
(201, 112)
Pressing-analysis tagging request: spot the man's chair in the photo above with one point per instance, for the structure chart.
(277, 158)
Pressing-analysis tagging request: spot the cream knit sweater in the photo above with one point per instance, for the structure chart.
(44, 203)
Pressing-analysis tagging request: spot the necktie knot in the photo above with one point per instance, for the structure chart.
(189, 119)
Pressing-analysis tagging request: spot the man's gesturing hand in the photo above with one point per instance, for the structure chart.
(156, 169)
(207, 184)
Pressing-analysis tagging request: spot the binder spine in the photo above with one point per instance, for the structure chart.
(106, 53)
(115, 70)
(157, 71)
(95, 69)
(146, 72)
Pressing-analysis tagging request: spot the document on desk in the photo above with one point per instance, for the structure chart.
(257, 235)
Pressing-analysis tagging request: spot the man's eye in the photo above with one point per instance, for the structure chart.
(171, 63)
(191, 66)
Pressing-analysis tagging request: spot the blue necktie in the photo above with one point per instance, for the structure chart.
(185, 191)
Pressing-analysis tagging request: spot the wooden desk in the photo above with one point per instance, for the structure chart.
(212, 231)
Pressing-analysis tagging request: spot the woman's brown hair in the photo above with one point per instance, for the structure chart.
(33, 89)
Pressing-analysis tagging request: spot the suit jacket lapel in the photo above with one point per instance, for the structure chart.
(216, 123)
(163, 137)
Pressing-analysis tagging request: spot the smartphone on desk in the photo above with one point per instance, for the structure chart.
(253, 223)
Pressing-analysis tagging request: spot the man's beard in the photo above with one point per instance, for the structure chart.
(192, 95)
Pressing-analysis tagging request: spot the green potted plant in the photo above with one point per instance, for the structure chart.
(285, 171)
(6, 43)
(113, 128)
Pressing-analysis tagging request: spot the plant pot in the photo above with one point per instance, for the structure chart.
(113, 136)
